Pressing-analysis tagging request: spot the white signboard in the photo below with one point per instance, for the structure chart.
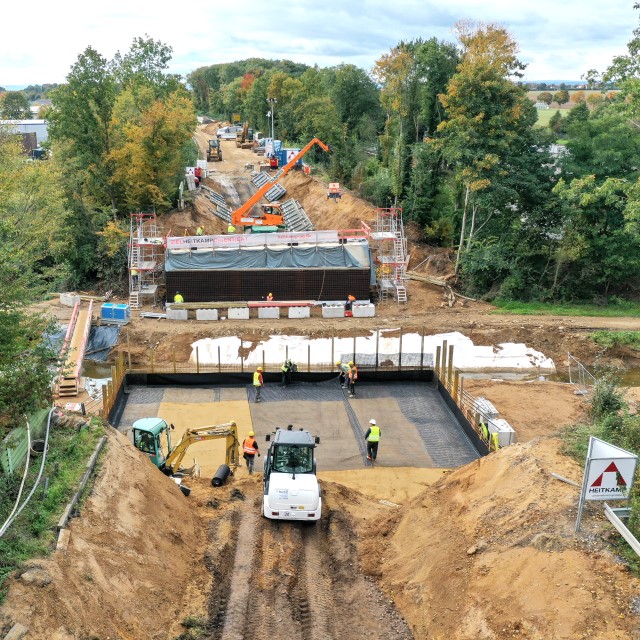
(608, 474)
(250, 240)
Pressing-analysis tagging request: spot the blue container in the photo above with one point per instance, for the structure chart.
(121, 312)
(107, 311)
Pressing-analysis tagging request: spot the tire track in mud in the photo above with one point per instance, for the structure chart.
(295, 580)
(240, 579)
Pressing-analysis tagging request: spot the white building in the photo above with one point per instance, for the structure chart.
(39, 127)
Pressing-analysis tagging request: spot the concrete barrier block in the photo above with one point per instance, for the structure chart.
(364, 310)
(336, 311)
(69, 299)
(238, 313)
(269, 313)
(299, 312)
(206, 314)
(177, 314)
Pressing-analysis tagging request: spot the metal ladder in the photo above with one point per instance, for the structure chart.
(401, 294)
(134, 299)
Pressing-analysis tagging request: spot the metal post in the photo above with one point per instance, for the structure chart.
(197, 359)
(173, 355)
(286, 351)
(309, 356)
(263, 364)
(422, 349)
(583, 490)
(354, 347)
(450, 372)
(443, 355)
(219, 369)
(437, 363)
(333, 355)
(400, 352)
(377, 347)
(151, 359)
(456, 387)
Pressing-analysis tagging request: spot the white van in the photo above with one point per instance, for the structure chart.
(228, 133)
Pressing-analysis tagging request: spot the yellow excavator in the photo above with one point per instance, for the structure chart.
(153, 437)
(244, 137)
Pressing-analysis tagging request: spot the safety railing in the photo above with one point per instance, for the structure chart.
(580, 377)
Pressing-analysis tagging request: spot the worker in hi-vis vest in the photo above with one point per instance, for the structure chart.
(178, 298)
(249, 450)
(373, 438)
(258, 382)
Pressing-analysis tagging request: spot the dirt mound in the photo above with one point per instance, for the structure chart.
(133, 568)
(489, 552)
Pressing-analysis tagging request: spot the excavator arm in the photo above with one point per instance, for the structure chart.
(238, 216)
(227, 430)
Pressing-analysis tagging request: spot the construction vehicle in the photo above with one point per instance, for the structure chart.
(244, 137)
(291, 489)
(214, 152)
(269, 215)
(153, 437)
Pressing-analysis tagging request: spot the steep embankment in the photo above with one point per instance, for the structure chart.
(489, 552)
(133, 568)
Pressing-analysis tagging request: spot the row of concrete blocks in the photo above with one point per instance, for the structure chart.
(272, 313)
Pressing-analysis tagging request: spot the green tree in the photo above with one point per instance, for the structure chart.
(15, 106)
(556, 123)
(33, 218)
(561, 97)
(579, 114)
(545, 97)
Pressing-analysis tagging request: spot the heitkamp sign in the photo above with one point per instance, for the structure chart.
(608, 474)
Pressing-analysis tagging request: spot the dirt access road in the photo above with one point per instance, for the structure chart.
(426, 310)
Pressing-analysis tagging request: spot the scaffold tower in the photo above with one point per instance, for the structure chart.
(146, 258)
(390, 254)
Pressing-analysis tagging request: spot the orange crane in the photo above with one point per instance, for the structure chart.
(270, 214)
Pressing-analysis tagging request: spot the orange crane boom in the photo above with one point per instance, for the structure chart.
(239, 217)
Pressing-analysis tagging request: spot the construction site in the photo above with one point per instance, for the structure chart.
(459, 529)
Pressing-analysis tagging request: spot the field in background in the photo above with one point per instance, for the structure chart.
(544, 115)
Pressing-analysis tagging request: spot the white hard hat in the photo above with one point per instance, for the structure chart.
(372, 421)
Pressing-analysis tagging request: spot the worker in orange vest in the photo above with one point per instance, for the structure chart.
(249, 450)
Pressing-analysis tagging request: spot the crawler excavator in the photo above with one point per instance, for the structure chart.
(244, 137)
(270, 215)
(153, 437)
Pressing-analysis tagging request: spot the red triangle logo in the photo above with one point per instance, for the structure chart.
(612, 468)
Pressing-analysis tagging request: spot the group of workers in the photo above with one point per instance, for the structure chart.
(348, 376)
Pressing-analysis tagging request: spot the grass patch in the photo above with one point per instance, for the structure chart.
(618, 310)
(610, 339)
(33, 533)
(544, 115)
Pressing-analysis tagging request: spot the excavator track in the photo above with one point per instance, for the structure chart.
(293, 580)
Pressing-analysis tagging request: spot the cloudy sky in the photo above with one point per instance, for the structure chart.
(559, 39)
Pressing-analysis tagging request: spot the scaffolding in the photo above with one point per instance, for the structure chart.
(146, 258)
(390, 255)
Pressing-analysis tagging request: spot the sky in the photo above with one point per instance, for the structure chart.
(558, 40)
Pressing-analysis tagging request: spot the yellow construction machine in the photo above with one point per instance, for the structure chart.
(214, 152)
(244, 137)
(153, 437)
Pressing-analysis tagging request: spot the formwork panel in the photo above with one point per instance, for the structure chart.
(255, 284)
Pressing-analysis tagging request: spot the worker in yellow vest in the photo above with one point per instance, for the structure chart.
(373, 439)
(484, 431)
(231, 229)
(135, 278)
(199, 231)
(258, 382)
(178, 298)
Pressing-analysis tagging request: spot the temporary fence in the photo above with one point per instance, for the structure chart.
(580, 377)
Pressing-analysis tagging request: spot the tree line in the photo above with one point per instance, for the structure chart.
(444, 130)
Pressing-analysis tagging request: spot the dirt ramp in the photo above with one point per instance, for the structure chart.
(489, 552)
(132, 569)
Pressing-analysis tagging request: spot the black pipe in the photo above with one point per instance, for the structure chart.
(221, 475)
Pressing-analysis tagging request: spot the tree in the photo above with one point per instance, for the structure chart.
(594, 100)
(579, 113)
(15, 106)
(545, 97)
(489, 117)
(561, 97)
(556, 122)
(578, 96)
(33, 220)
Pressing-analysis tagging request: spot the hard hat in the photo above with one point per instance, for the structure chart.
(372, 421)
(251, 433)
(350, 362)
(271, 294)
(338, 363)
(259, 368)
